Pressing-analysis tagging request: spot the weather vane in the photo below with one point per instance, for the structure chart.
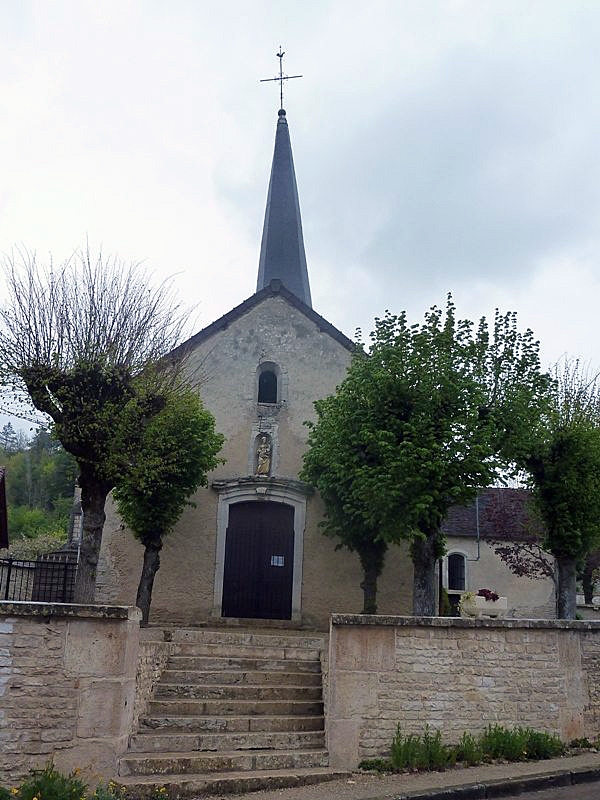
(281, 77)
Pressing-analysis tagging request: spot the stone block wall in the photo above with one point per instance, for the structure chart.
(67, 687)
(154, 652)
(457, 675)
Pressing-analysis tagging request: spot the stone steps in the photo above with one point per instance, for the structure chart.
(233, 711)
(292, 652)
(247, 692)
(141, 786)
(257, 740)
(246, 638)
(204, 708)
(224, 663)
(200, 724)
(239, 677)
(198, 763)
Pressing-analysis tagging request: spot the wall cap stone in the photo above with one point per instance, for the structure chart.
(459, 622)
(30, 609)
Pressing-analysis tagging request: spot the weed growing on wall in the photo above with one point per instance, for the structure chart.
(428, 751)
(50, 784)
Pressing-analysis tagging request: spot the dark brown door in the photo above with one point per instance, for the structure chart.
(259, 561)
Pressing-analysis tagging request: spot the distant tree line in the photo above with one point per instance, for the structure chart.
(40, 481)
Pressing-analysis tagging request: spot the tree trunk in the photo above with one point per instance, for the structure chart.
(566, 596)
(372, 557)
(424, 554)
(369, 587)
(149, 569)
(93, 500)
(587, 580)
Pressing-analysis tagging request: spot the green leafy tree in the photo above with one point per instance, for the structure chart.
(429, 415)
(178, 448)
(85, 342)
(564, 464)
(8, 438)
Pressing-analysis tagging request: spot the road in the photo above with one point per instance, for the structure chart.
(583, 791)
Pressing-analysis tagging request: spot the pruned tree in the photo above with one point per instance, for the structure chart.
(564, 464)
(179, 447)
(85, 341)
(338, 467)
(430, 414)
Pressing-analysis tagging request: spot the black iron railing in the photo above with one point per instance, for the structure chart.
(48, 579)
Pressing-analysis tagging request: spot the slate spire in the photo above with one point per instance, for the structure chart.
(282, 249)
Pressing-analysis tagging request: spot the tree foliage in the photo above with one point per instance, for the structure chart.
(40, 480)
(431, 413)
(178, 448)
(85, 340)
(564, 464)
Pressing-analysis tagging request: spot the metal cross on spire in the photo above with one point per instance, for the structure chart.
(281, 77)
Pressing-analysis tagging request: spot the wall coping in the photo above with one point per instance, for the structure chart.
(460, 622)
(26, 608)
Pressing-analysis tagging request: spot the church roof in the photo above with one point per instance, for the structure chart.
(282, 255)
(274, 289)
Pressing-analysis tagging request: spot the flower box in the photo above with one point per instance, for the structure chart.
(475, 606)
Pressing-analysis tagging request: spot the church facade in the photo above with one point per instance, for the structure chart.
(250, 547)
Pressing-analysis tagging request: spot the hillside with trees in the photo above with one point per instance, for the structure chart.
(40, 480)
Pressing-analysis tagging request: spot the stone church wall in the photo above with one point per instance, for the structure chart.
(311, 363)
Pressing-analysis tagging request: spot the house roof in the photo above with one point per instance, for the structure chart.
(282, 255)
(274, 289)
(499, 513)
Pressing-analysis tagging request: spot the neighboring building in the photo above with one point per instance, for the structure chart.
(251, 547)
(500, 516)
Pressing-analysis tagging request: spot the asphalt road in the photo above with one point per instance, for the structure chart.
(583, 791)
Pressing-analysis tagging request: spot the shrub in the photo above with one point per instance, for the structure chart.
(519, 744)
(543, 745)
(421, 752)
(49, 784)
(5, 794)
(468, 750)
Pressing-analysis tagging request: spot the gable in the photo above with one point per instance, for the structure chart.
(274, 289)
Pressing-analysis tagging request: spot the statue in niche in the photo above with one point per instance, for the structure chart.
(263, 454)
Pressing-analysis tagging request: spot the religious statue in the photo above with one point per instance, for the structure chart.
(263, 455)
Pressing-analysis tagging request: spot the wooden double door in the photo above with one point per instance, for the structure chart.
(259, 561)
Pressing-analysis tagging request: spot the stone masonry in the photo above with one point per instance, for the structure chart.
(457, 675)
(67, 687)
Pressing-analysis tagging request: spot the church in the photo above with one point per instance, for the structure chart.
(250, 547)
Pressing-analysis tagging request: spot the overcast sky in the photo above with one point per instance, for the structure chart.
(439, 146)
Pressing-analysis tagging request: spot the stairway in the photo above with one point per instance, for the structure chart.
(233, 711)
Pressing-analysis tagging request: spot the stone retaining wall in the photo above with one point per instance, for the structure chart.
(457, 675)
(67, 687)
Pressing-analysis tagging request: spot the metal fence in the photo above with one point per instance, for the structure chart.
(48, 579)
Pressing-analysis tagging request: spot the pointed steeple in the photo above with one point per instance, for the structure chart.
(282, 249)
